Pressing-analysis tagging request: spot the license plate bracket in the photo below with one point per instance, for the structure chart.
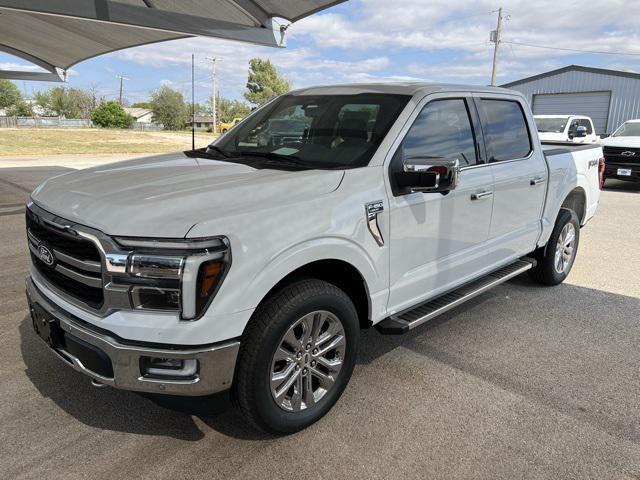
(46, 326)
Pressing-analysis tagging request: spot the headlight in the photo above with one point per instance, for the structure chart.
(175, 275)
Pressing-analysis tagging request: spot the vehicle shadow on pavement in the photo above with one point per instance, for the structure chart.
(105, 408)
(613, 185)
(568, 348)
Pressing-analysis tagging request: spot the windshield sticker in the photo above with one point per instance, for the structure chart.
(286, 151)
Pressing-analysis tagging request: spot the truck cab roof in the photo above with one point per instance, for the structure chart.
(398, 88)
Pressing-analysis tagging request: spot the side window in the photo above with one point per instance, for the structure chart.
(506, 133)
(586, 123)
(574, 125)
(442, 129)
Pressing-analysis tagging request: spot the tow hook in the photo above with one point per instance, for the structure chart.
(97, 384)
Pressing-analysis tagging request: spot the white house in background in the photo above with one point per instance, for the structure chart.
(141, 115)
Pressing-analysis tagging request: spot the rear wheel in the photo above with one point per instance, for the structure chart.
(296, 356)
(556, 259)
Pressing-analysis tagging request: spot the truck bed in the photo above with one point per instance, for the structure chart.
(584, 160)
(557, 148)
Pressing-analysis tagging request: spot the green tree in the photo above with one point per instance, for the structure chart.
(67, 102)
(20, 109)
(200, 109)
(264, 82)
(141, 105)
(169, 108)
(111, 115)
(230, 109)
(9, 94)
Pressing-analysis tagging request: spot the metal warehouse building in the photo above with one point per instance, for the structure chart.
(609, 97)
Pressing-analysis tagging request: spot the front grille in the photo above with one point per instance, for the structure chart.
(621, 155)
(76, 269)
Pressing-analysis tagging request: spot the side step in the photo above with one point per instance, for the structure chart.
(410, 319)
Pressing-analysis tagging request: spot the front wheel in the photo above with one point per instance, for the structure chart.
(556, 259)
(296, 356)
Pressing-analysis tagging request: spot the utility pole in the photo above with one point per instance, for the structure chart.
(121, 86)
(495, 38)
(213, 93)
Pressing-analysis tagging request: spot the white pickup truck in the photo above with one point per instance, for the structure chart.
(252, 265)
(566, 128)
(622, 152)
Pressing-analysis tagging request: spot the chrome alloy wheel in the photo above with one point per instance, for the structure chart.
(565, 248)
(308, 360)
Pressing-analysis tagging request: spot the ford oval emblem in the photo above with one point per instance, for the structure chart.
(46, 255)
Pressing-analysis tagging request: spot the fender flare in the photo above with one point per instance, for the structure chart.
(297, 256)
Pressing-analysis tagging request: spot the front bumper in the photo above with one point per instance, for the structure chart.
(216, 362)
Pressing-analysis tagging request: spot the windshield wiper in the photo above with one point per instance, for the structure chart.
(282, 159)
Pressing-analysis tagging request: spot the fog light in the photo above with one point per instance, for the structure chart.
(168, 367)
(150, 298)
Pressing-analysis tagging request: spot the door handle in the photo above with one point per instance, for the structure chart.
(481, 195)
(537, 181)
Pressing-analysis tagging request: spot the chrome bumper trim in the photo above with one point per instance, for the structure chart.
(216, 362)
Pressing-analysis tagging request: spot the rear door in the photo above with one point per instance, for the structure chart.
(436, 240)
(520, 176)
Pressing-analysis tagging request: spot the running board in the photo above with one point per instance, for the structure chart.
(410, 319)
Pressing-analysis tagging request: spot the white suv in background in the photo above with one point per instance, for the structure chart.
(566, 128)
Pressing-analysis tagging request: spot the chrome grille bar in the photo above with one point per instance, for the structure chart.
(79, 277)
(86, 265)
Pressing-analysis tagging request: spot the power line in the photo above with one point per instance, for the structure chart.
(595, 52)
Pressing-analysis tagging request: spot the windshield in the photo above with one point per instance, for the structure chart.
(551, 125)
(315, 131)
(629, 129)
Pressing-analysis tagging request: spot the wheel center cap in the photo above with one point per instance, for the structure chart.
(306, 359)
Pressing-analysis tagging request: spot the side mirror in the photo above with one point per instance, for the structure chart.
(580, 132)
(428, 175)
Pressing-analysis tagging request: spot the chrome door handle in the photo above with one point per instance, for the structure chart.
(537, 181)
(481, 195)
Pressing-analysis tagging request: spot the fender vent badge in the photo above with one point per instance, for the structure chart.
(372, 210)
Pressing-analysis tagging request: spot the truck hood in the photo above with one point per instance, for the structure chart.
(166, 195)
(630, 142)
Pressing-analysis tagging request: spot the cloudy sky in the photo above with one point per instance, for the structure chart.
(382, 40)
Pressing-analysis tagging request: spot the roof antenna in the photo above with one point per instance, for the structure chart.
(193, 103)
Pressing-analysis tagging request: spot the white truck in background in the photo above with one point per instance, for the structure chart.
(251, 265)
(566, 128)
(622, 152)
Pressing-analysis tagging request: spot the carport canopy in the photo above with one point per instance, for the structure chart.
(57, 34)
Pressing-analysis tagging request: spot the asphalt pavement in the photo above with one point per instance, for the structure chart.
(522, 382)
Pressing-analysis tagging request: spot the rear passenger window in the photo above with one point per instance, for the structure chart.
(505, 130)
(443, 130)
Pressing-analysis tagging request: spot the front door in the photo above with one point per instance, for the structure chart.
(436, 240)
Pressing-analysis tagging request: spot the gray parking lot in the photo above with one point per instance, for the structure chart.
(522, 382)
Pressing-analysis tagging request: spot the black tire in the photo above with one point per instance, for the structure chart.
(545, 272)
(264, 334)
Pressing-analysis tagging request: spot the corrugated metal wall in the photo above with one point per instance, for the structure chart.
(625, 91)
